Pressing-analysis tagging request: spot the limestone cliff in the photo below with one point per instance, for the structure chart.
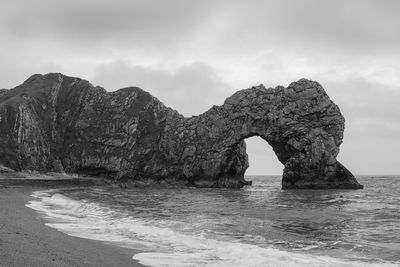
(58, 123)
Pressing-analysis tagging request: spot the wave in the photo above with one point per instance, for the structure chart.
(162, 244)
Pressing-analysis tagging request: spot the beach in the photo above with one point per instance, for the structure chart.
(25, 240)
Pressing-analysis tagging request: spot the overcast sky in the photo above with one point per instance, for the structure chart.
(193, 54)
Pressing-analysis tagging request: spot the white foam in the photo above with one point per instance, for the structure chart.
(164, 246)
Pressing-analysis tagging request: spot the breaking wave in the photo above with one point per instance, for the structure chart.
(162, 244)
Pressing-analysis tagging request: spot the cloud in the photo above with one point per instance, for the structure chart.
(372, 124)
(326, 25)
(235, 26)
(367, 102)
(100, 23)
(191, 89)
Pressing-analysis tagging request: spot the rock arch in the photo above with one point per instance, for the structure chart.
(302, 125)
(53, 122)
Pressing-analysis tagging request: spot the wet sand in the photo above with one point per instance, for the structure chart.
(25, 240)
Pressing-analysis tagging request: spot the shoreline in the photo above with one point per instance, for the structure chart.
(25, 240)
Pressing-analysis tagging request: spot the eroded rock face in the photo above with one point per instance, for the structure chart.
(57, 123)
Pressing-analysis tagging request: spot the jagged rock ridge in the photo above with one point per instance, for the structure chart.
(58, 123)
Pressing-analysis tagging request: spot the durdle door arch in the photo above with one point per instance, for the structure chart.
(301, 124)
(58, 123)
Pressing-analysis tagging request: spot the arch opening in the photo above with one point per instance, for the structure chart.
(261, 157)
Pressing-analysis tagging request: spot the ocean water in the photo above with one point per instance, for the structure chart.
(259, 225)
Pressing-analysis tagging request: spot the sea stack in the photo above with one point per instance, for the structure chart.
(58, 123)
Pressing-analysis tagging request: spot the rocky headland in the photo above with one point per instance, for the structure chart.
(56, 123)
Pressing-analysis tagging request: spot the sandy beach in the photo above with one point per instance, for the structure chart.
(25, 240)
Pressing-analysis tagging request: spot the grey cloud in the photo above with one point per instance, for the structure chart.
(322, 25)
(16, 68)
(370, 106)
(191, 89)
(372, 124)
(353, 25)
(129, 23)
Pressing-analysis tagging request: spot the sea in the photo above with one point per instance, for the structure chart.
(258, 225)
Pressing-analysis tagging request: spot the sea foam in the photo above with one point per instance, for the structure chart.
(162, 245)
